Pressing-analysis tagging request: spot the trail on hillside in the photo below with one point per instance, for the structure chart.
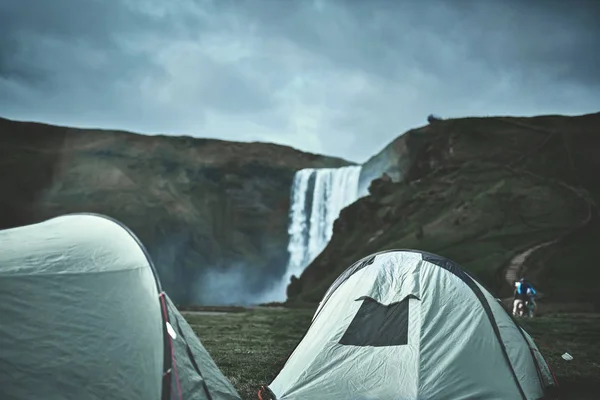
(517, 264)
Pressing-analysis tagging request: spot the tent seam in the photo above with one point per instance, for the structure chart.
(121, 270)
(487, 309)
(420, 329)
(137, 240)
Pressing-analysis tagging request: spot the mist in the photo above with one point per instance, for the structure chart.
(232, 286)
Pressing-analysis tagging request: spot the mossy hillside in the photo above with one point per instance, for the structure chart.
(480, 191)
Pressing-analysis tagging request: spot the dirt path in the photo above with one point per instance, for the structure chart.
(184, 313)
(225, 310)
(515, 267)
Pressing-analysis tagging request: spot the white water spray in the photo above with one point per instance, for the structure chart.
(318, 196)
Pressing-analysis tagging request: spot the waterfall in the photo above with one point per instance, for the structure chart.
(312, 214)
(318, 196)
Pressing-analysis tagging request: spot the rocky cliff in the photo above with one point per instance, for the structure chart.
(205, 209)
(483, 192)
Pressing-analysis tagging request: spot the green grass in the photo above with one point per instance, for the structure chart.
(578, 335)
(250, 347)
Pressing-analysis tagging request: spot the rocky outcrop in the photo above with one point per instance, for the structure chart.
(212, 213)
(480, 191)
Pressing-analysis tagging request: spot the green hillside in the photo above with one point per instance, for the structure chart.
(482, 191)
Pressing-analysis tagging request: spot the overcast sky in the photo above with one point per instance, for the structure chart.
(337, 77)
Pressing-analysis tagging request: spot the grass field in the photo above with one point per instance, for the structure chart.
(250, 346)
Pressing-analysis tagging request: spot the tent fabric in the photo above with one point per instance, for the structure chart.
(80, 316)
(419, 328)
(69, 244)
(195, 380)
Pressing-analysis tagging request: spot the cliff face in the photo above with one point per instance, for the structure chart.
(394, 160)
(213, 214)
(481, 191)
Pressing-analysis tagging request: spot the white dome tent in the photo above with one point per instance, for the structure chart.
(405, 324)
(83, 317)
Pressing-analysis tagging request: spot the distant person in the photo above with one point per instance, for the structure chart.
(518, 300)
(431, 118)
(523, 298)
(531, 306)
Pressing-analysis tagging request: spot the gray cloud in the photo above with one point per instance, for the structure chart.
(338, 77)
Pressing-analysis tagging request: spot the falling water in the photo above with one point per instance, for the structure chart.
(318, 196)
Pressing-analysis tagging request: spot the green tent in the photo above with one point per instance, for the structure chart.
(83, 316)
